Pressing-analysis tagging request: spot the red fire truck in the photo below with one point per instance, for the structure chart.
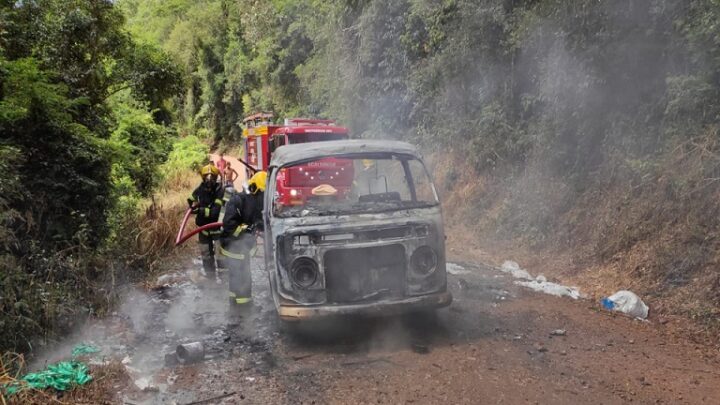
(300, 183)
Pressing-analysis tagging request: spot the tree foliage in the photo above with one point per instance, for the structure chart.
(71, 134)
(524, 79)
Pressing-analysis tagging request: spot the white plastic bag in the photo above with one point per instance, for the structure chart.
(514, 269)
(626, 302)
(544, 286)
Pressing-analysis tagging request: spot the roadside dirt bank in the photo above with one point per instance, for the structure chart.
(594, 281)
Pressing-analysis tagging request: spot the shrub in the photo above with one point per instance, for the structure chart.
(188, 153)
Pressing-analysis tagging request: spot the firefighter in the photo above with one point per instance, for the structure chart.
(206, 202)
(243, 217)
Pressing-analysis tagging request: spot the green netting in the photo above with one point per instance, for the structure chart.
(61, 376)
(83, 349)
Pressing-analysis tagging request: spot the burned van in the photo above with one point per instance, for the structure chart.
(375, 246)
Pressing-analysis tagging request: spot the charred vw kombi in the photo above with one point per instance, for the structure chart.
(374, 247)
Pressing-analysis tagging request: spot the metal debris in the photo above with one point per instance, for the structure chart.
(190, 352)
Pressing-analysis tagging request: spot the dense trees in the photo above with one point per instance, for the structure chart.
(82, 109)
(520, 76)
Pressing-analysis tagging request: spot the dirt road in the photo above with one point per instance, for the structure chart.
(494, 344)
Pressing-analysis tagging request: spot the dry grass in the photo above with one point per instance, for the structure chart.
(149, 240)
(176, 183)
(650, 225)
(155, 237)
(459, 188)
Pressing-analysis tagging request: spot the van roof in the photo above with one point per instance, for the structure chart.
(300, 152)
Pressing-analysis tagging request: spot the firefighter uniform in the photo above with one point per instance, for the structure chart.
(206, 202)
(242, 217)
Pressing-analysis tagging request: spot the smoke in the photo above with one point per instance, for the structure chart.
(146, 325)
(195, 310)
(549, 99)
(136, 307)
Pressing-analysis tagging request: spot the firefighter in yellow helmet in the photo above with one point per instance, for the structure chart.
(206, 202)
(242, 219)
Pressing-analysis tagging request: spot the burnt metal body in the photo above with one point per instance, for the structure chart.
(363, 261)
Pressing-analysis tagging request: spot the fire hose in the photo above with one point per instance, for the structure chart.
(246, 164)
(180, 238)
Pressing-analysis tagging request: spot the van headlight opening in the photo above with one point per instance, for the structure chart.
(304, 272)
(423, 261)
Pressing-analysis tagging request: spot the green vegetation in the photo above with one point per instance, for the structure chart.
(551, 105)
(502, 81)
(590, 125)
(187, 153)
(84, 126)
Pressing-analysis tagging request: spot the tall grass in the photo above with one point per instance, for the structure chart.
(149, 238)
(145, 240)
(143, 237)
(145, 234)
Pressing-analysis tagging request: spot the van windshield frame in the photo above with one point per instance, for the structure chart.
(381, 182)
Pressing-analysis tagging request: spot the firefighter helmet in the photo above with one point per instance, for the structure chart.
(324, 190)
(209, 169)
(257, 182)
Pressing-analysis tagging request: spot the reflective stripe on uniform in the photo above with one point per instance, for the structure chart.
(240, 229)
(237, 256)
(218, 201)
(207, 211)
(240, 300)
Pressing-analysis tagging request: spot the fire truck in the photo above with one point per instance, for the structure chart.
(296, 185)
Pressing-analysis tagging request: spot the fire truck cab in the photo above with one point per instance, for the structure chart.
(319, 179)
